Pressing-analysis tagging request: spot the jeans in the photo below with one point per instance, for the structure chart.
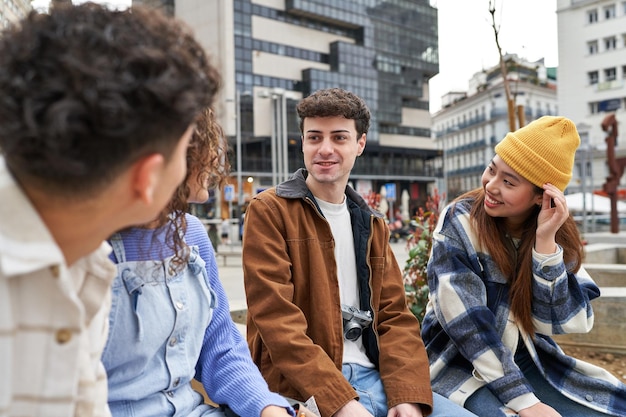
(485, 404)
(369, 387)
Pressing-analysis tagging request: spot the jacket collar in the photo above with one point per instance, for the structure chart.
(295, 187)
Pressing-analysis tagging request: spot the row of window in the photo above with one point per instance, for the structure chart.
(302, 21)
(607, 105)
(469, 162)
(609, 43)
(609, 74)
(286, 50)
(607, 12)
(478, 116)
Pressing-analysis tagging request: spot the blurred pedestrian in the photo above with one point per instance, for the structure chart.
(225, 231)
(213, 236)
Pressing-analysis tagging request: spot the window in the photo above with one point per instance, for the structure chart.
(592, 16)
(609, 74)
(609, 12)
(592, 47)
(593, 77)
(610, 43)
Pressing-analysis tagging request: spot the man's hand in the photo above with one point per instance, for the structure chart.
(274, 411)
(405, 410)
(352, 409)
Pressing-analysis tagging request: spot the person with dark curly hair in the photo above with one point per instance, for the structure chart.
(170, 321)
(97, 108)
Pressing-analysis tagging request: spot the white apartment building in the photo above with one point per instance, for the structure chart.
(470, 123)
(592, 71)
(13, 10)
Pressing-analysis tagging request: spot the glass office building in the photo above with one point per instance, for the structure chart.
(274, 52)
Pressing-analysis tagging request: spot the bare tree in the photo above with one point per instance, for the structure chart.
(510, 101)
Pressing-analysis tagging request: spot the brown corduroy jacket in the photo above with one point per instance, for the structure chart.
(295, 328)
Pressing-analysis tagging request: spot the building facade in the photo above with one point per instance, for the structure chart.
(274, 52)
(592, 75)
(471, 123)
(13, 10)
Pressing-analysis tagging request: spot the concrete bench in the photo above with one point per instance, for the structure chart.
(606, 265)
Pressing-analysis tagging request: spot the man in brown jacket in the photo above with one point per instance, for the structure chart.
(327, 317)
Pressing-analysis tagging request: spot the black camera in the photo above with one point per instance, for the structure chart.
(354, 321)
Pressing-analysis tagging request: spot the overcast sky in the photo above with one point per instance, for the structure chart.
(467, 44)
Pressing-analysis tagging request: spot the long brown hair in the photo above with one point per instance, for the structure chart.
(494, 239)
(207, 158)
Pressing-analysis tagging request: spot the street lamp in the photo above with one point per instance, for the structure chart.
(238, 147)
(238, 121)
(279, 140)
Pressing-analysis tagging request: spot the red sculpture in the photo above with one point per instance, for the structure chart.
(616, 168)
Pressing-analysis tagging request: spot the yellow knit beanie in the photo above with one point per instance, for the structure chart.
(542, 151)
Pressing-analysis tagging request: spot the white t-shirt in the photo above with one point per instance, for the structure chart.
(341, 226)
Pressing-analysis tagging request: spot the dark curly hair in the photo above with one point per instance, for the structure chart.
(335, 102)
(207, 158)
(86, 91)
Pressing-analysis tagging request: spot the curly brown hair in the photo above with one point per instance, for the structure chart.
(86, 91)
(335, 102)
(207, 158)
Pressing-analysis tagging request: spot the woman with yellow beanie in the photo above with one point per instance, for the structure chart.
(504, 275)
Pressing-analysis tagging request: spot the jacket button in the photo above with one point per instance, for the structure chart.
(589, 397)
(545, 269)
(63, 336)
(55, 271)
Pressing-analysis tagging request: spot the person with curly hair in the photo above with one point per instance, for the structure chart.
(97, 108)
(170, 321)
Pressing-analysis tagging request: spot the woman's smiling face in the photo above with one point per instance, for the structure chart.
(508, 194)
